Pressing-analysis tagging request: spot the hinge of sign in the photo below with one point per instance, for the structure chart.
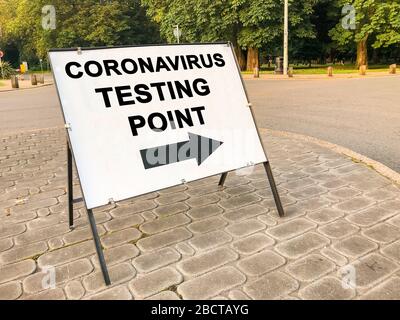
(67, 126)
(79, 50)
(249, 105)
(183, 181)
(111, 201)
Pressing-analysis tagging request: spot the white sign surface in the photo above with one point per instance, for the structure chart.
(146, 118)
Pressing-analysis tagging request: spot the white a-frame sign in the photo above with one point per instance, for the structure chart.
(144, 118)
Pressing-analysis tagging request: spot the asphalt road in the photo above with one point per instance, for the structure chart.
(360, 114)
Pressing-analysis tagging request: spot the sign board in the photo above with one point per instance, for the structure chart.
(145, 118)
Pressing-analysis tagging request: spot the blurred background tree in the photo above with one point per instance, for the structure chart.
(255, 27)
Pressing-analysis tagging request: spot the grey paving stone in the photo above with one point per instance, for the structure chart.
(334, 256)
(355, 204)
(9, 230)
(204, 211)
(310, 268)
(81, 234)
(164, 295)
(117, 254)
(355, 246)
(343, 193)
(10, 291)
(239, 201)
(308, 192)
(291, 228)
(388, 290)
(245, 212)
(164, 223)
(207, 225)
(121, 237)
(203, 189)
(49, 294)
(16, 270)
(155, 260)
(298, 184)
(67, 254)
(395, 221)
(74, 290)
(119, 273)
(285, 199)
(203, 200)
(211, 284)
(392, 251)
(171, 198)
(6, 244)
(274, 285)
(184, 249)
(47, 221)
(381, 194)
(116, 293)
(245, 227)
(261, 263)
(328, 288)
(124, 222)
(235, 191)
(44, 233)
(18, 253)
(136, 207)
(393, 205)
(163, 239)
(55, 243)
(325, 215)
(38, 281)
(371, 269)
(301, 245)
(338, 229)
(238, 295)
(252, 244)
(269, 221)
(313, 204)
(200, 264)
(147, 285)
(370, 216)
(382, 233)
(209, 240)
(171, 209)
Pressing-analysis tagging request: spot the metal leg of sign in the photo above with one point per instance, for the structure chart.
(99, 250)
(92, 221)
(222, 179)
(274, 189)
(70, 188)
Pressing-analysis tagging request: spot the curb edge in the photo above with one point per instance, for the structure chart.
(375, 165)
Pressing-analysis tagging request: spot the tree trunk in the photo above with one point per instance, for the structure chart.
(240, 55)
(252, 59)
(362, 53)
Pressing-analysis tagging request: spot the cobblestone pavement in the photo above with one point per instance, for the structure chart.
(197, 241)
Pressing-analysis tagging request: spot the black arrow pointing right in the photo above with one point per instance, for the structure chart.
(197, 147)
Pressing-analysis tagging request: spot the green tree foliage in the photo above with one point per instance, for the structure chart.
(251, 24)
(78, 23)
(377, 22)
